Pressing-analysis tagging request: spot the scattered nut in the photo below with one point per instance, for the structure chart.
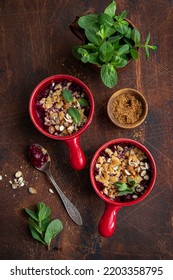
(18, 174)
(32, 190)
(51, 191)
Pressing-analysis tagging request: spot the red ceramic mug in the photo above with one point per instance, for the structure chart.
(76, 155)
(107, 223)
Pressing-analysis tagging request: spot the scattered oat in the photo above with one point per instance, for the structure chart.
(32, 190)
(0, 177)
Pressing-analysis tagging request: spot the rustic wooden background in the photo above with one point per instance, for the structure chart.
(36, 42)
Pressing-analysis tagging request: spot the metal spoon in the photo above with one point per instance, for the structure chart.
(42, 162)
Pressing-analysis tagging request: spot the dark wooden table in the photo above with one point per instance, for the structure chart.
(35, 43)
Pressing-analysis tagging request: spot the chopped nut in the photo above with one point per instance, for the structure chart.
(51, 191)
(15, 186)
(146, 177)
(32, 190)
(18, 174)
(143, 173)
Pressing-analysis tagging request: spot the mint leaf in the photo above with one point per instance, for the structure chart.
(121, 186)
(134, 53)
(94, 58)
(88, 20)
(32, 214)
(106, 52)
(34, 225)
(85, 55)
(36, 235)
(123, 50)
(136, 36)
(43, 228)
(105, 19)
(93, 38)
(83, 102)
(67, 95)
(122, 27)
(105, 31)
(52, 230)
(110, 9)
(76, 53)
(108, 75)
(74, 113)
(43, 212)
(148, 39)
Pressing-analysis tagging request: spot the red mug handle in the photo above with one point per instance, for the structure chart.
(107, 223)
(76, 155)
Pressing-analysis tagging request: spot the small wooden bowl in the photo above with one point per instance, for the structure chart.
(137, 96)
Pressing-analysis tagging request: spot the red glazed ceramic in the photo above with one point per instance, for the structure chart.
(107, 223)
(76, 155)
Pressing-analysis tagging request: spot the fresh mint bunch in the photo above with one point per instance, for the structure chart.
(41, 227)
(110, 42)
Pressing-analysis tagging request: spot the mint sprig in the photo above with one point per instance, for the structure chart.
(111, 42)
(125, 188)
(41, 227)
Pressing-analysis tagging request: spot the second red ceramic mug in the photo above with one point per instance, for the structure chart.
(107, 222)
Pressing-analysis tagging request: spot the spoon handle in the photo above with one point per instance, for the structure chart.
(71, 209)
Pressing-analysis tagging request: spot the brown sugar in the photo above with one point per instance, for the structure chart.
(127, 108)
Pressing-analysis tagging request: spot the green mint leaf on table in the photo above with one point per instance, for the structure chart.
(88, 20)
(36, 235)
(44, 212)
(32, 214)
(75, 114)
(111, 9)
(52, 230)
(108, 75)
(147, 52)
(83, 102)
(35, 225)
(67, 95)
(44, 223)
(43, 229)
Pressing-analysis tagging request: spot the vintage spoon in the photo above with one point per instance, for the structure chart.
(41, 161)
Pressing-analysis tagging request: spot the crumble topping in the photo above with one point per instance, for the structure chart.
(122, 164)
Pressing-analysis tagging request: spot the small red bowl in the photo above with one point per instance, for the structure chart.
(107, 223)
(76, 155)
